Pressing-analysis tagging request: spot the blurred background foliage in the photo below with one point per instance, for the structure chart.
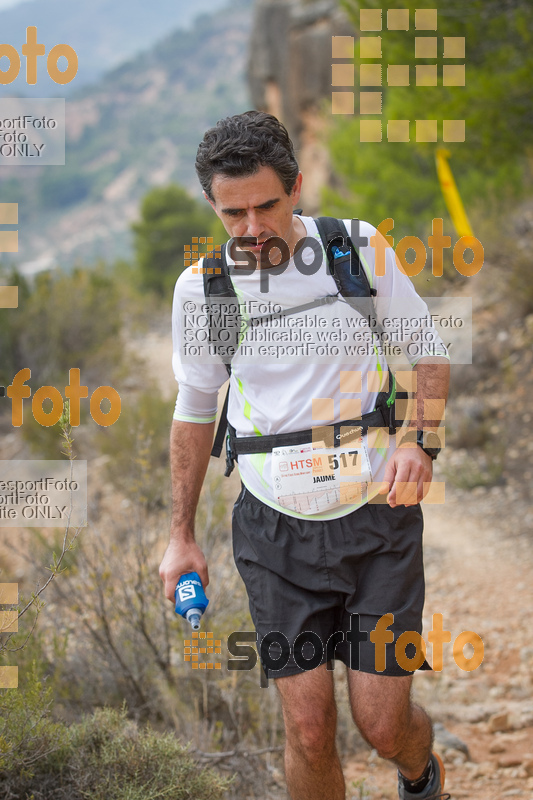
(492, 167)
(64, 320)
(169, 220)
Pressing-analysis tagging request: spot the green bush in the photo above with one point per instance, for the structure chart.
(28, 735)
(111, 758)
(104, 757)
(72, 320)
(170, 218)
(64, 321)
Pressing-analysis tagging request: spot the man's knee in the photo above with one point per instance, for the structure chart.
(387, 737)
(311, 731)
(382, 710)
(388, 732)
(309, 713)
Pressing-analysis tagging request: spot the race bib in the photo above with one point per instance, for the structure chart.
(309, 480)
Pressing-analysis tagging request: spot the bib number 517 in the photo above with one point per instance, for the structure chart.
(345, 460)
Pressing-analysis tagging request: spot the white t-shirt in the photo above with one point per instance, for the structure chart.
(271, 395)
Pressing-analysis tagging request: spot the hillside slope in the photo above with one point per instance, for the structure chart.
(136, 128)
(103, 33)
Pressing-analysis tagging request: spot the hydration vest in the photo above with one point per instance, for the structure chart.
(352, 282)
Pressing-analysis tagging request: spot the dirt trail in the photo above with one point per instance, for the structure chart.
(480, 581)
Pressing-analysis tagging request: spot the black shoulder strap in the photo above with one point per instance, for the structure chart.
(217, 282)
(218, 442)
(344, 264)
(224, 312)
(220, 295)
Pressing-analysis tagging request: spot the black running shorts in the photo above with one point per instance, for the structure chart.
(307, 580)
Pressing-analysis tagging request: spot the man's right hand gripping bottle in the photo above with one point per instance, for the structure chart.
(191, 601)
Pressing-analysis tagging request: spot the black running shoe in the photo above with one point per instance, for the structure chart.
(433, 790)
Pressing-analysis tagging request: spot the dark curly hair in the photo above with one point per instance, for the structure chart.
(237, 146)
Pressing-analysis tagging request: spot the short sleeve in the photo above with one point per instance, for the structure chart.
(199, 382)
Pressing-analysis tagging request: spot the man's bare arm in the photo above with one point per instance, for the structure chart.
(190, 448)
(432, 381)
(412, 464)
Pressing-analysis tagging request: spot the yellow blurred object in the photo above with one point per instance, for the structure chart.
(451, 194)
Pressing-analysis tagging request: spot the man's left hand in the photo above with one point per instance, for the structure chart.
(406, 473)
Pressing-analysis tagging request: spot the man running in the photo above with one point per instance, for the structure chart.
(317, 556)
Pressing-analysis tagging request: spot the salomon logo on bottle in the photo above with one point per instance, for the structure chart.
(191, 601)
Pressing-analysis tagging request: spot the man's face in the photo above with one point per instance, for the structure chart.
(256, 207)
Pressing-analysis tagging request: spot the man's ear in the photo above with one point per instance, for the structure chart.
(296, 189)
(210, 201)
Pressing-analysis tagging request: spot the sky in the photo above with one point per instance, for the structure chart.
(9, 3)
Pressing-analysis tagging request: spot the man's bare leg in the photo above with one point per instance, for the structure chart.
(396, 727)
(312, 766)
